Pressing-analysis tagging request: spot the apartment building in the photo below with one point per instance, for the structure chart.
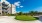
(0, 8)
(4, 8)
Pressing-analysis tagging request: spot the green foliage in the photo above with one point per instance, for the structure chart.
(10, 15)
(33, 13)
(36, 18)
(25, 18)
(20, 13)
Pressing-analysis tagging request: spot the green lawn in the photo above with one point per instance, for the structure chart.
(25, 18)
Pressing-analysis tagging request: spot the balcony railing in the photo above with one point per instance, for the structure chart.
(5, 10)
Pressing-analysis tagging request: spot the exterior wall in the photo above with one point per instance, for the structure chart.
(1, 10)
(13, 9)
(9, 10)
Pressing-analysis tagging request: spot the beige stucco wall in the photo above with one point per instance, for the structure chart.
(13, 9)
(9, 10)
(1, 10)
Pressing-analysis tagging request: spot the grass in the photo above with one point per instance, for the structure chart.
(25, 18)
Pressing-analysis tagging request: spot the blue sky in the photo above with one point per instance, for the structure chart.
(28, 5)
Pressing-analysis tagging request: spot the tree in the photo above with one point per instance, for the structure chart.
(20, 13)
(31, 13)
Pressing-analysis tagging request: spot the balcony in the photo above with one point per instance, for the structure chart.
(5, 10)
(5, 5)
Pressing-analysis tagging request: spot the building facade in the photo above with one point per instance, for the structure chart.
(4, 8)
(0, 8)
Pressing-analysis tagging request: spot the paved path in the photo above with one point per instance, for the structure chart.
(10, 19)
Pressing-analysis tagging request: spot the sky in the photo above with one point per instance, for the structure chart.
(27, 5)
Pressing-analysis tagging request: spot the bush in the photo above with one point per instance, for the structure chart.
(25, 18)
(36, 18)
(11, 14)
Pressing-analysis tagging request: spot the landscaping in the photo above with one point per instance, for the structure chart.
(25, 18)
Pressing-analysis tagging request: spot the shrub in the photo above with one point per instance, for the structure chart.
(36, 18)
(25, 18)
(8, 14)
(11, 14)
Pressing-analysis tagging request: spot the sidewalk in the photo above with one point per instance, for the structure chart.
(10, 19)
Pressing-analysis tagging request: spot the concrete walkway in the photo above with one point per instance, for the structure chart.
(10, 19)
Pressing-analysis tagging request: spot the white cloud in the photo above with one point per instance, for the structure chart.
(17, 3)
(21, 6)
